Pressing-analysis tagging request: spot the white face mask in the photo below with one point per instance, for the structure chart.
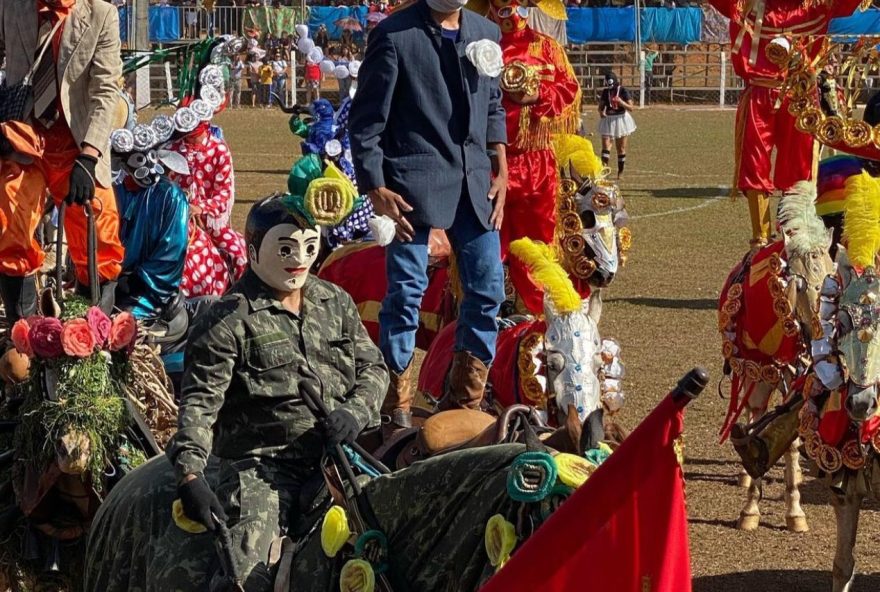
(286, 255)
(446, 6)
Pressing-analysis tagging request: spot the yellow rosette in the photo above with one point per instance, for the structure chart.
(334, 531)
(183, 522)
(573, 470)
(357, 576)
(500, 540)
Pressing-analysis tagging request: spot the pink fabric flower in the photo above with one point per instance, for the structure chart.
(123, 331)
(100, 325)
(45, 337)
(20, 337)
(77, 339)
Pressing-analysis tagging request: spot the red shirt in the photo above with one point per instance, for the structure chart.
(313, 72)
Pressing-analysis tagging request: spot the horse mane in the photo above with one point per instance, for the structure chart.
(544, 267)
(861, 222)
(803, 228)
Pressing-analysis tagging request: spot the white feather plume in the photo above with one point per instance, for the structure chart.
(803, 228)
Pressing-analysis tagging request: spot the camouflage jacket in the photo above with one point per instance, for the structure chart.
(247, 359)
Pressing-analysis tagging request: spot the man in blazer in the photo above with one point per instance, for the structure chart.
(428, 140)
(63, 143)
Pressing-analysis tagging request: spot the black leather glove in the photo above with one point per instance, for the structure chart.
(340, 426)
(82, 180)
(199, 502)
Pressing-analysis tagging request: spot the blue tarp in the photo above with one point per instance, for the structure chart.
(672, 25)
(861, 23)
(659, 25)
(164, 24)
(328, 15)
(600, 24)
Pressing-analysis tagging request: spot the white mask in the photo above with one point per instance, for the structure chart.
(446, 6)
(286, 255)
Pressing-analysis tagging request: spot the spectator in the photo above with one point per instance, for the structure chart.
(235, 74)
(270, 44)
(346, 40)
(267, 74)
(253, 70)
(344, 83)
(313, 82)
(322, 38)
(650, 56)
(279, 70)
(191, 18)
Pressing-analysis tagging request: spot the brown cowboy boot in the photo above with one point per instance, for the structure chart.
(465, 383)
(759, 213)
(396, 414)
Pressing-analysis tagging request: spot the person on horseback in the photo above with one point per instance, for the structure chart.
(154, 218)
(434, 159)
(56, 143)
(278, 331)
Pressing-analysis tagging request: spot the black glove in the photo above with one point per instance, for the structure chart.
(82, 180)
(6, 148)
(340, 426)
(199, 502)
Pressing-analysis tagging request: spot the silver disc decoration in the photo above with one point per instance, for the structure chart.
(202, 109)
(333, 148)
(122, 141)
(163, 127)
(212, 75)
(211, 95)
(185, 120)
(144, 137)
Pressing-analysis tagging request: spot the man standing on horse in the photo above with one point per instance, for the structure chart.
(429, 138)
(279, 332)
(60, 144)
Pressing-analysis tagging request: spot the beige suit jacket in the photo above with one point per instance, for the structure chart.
(89, 66)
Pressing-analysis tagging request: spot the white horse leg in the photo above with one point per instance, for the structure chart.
(750, 515)
(846, 510)
(795, 519)
(745, 480)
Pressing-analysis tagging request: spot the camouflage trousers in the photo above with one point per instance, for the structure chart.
(258, 497)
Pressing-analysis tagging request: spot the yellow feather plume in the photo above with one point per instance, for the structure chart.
(577, 151)
(861, 227)
(546, 271)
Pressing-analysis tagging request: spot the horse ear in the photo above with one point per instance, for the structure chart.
(593, 430)
(844, 267)
(549, 309)
(574, 174)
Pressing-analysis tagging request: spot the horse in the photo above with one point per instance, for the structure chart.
(764, 316)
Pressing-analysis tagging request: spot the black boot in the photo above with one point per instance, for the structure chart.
(19, 297)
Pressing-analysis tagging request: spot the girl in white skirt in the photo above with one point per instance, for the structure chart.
(615, 123)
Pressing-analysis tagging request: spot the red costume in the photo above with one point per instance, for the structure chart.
(763, 120)
(530, 209)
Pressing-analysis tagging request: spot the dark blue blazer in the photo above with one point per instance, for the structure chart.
(402, 118)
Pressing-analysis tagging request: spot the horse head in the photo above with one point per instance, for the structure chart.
(578, 365)
(596, 222)
(807, 244)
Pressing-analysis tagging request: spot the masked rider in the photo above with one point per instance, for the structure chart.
(154, 218)
(763, 121)
(59, 145)
(279, 331)
(541, 97)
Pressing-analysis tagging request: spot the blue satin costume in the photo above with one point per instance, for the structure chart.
(154, 231)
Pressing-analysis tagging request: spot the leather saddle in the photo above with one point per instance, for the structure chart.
(459, 429)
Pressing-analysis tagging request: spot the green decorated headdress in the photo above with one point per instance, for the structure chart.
(324, 197)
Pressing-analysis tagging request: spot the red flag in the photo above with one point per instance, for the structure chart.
(624, 530)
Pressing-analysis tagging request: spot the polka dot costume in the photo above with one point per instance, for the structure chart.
(216, 255)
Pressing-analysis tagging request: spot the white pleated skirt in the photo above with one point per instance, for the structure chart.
(617, 126)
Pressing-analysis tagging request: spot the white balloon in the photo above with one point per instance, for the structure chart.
(353, 67)
(302, 31)
(327, 67)
(305, 45)
(315, 55)
(341, 72)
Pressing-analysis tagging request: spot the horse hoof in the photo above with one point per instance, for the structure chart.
(748, 522)
(796, 524)
(745, 481)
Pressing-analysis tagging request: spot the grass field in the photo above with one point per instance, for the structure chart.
(687, 236)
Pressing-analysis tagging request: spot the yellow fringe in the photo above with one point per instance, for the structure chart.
(861, 227)
(537, 135)
(546, 271)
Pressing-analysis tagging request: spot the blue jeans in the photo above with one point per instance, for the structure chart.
(478, 256)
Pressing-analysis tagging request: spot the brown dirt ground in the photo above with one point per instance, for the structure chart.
(661, 309)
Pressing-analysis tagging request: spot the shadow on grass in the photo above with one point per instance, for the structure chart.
(790, 581)
(689, 192)
(670, 303)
